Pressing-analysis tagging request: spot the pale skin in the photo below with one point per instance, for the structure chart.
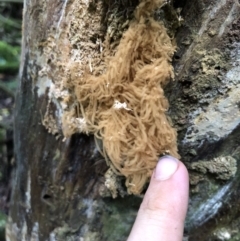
(162, 213)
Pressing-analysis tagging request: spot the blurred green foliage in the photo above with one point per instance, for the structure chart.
(10, 32)
(9, 58)
(10, 41)
(3, 220)
(10, 23)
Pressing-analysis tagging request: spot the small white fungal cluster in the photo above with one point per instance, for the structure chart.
(81, 124)
(119, 105)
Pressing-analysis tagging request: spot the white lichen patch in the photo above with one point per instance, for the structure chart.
(223, 167)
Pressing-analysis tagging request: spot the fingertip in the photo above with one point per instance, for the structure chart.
(169, 185)
(166, 167)
(163, 210)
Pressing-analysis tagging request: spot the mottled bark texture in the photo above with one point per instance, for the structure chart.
(57, 185)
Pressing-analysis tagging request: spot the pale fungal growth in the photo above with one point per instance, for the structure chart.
(71, 124)
(112, 183)
(124, 106)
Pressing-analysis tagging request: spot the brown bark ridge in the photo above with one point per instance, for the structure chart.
(56, 184)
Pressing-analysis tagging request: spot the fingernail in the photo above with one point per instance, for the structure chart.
(166, 167)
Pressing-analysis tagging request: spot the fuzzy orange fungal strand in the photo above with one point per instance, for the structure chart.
(125, 106)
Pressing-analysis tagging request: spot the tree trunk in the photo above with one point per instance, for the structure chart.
(59, 188)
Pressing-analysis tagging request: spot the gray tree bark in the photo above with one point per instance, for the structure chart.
(56, 184)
